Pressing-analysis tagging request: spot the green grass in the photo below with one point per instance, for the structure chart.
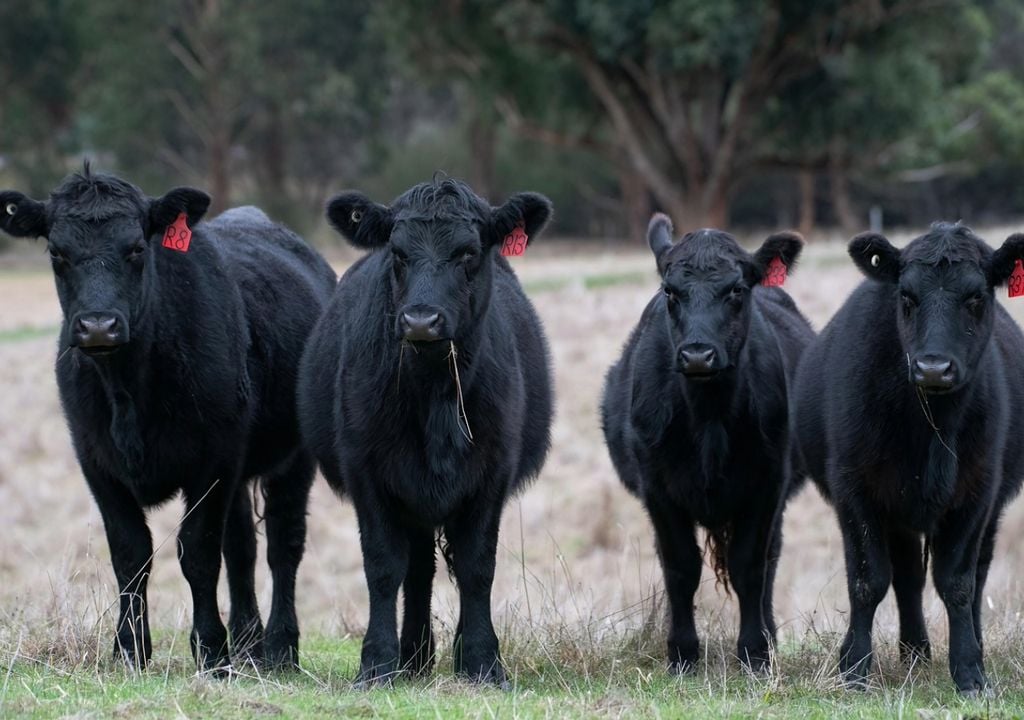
(21, 334)
(590, 282)
(551, 677)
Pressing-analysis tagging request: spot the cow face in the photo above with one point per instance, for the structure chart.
(707, 281)
(440, 240)
(100, 234)
(943, 287)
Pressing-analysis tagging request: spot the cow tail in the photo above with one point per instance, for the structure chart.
(446, 552)
(716, 548)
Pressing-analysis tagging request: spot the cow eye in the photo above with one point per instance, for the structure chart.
(736, 293)
(465, 255)
(399, 256)
(55, 254)
(975, 301)
(668, 291)
(136, 251)
(908, 300)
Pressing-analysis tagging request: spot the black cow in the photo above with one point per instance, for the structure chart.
(176, 366)
(426, 395)
(695, 416)
(902, 413)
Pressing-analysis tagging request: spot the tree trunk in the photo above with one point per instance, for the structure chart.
(840, 189)
(483, 146)
(636, 200)
(805, 180)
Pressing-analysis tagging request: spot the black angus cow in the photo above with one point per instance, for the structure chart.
(695, 418)
(902, 414)
(177, 363)
(426, 395)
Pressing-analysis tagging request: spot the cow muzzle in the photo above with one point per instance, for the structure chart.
(698, 361)
(421, 324)
(98, 333)
(934, 373)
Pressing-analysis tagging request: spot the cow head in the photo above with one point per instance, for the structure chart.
(943, 284)
(441, 241)
(707, 280)
(100, 232)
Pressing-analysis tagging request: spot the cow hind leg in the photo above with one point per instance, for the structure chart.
(287, 497)
(908, 578)
(245, 627)
(417, 640)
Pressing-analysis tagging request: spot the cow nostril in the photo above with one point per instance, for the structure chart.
(421, 327)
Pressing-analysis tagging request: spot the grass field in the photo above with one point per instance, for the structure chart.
(577, 597)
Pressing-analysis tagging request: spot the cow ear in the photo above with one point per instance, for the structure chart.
(163, 211)
(1005, 259)
(364, 223)
(659, 236)
(21, 216)
(531, 209)
(876, 257)
(786, 246)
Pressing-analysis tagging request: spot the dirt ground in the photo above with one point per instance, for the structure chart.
(575, 547)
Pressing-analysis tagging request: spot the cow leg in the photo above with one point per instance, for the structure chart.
(244, 624)
(131, 554)
(473, 542)
(868, 574)
(681, 564)
(199, 548)
(417, 643)
(385, 547)
(956, 547)
(752, 555)
(984, 562)
(287, 498)
(908, 577)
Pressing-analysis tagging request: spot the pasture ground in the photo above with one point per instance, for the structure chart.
(577, 597)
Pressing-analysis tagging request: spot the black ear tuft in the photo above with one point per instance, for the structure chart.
(21, 216)
(163, 211)
(364, 223)
(659, 235)
(1005, 258)
(876, 257)
(786, 245)
(530, 208)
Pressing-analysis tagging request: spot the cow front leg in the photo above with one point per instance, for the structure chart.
(681, 564)
(956, 546)
(199, 550)
(473, 545)
(131, 554)
(868, 574)
(385, 547)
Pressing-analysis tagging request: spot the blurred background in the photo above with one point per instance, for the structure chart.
(746, 114)
(739, 113)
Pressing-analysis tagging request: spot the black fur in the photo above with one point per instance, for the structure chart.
(196, 395)
(383, 414)
(901, 457)
(710, 450)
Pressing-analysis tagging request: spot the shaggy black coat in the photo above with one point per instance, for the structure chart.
(426, 396)
(695, 416)
(903, 413)
(177, 373)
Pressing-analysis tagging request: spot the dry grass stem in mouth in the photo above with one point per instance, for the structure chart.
(922, 398)
(453, 359)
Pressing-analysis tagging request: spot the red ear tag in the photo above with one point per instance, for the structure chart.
(178, 235)
(514, 243)
(1015, 286)
(775, 274)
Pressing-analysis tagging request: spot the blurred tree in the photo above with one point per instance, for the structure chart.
(39, 54)
(279, 94)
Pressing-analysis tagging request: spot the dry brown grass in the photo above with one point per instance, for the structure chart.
(576, 554)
